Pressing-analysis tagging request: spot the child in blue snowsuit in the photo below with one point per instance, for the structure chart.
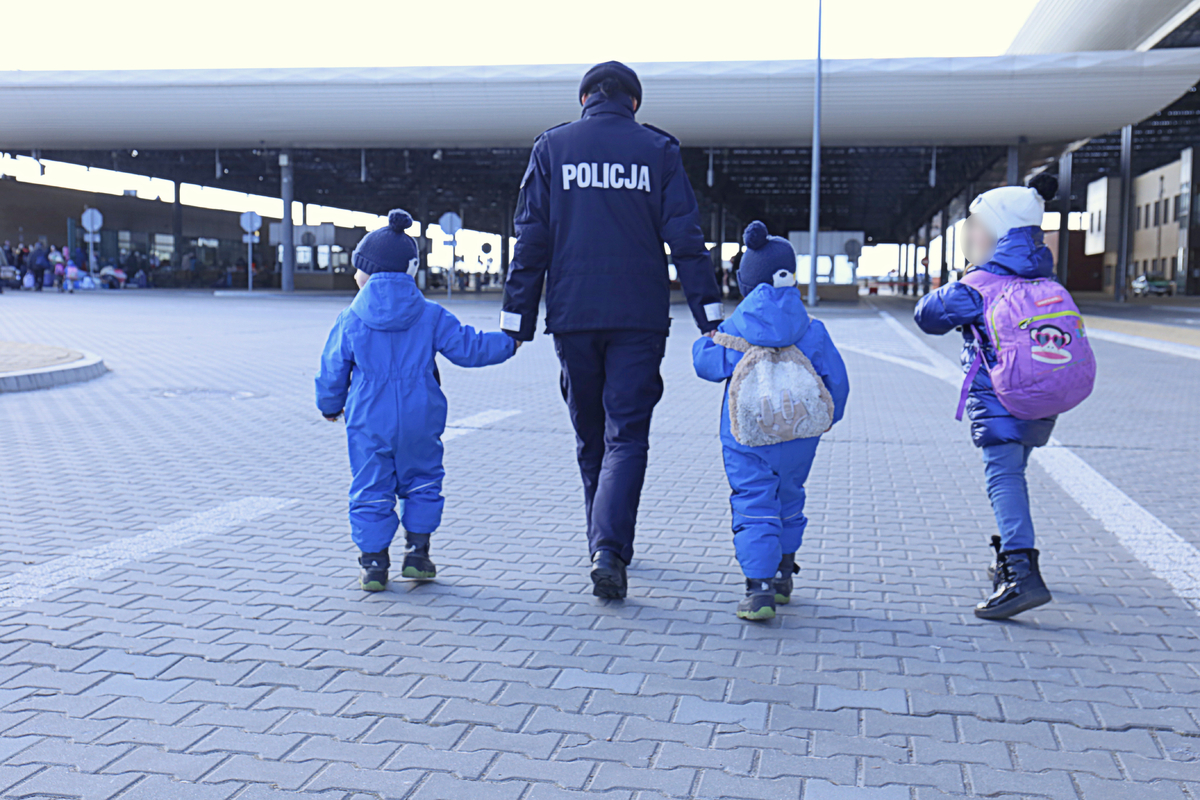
(767, 481)
(1003, 236)
(378, 367)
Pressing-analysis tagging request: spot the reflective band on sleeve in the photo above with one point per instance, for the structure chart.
(510, 321)
(714, 311)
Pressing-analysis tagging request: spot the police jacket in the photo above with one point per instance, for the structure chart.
(600, 197)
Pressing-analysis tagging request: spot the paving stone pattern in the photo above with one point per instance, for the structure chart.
(247, 664)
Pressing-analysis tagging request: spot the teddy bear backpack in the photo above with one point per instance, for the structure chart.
(775, 395)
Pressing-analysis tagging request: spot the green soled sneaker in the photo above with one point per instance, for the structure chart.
(759, 602)
(783, 578)
(374, 577)
(416, 558)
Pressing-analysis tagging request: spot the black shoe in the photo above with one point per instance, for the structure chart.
(1019, 586)
(416, 558)
(783, 578)
(608, 575)
(374, 576)
(992, 566)
(759, 603)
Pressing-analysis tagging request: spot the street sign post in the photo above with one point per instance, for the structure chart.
(92, 221)
(251, 222)
(451, 224)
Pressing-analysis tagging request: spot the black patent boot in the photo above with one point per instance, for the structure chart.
(374, 577)
(416, 558)
(995, 558)
(1019, 586)
(783, 578)
(609, 581)
(759, 603)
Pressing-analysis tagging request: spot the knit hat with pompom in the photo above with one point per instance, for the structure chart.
(768, 259)
(388, 249)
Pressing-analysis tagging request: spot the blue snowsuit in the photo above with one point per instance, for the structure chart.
(768, 481)
(378, 366)
(1005, 441)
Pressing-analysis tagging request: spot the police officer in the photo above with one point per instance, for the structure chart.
(599, 199)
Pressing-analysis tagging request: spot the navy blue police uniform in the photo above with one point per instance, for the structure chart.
(600, 197)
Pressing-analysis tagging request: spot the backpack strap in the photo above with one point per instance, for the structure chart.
(732, 342)
(977, 364)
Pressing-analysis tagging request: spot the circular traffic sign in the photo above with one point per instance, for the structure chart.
(92, 220)
(250, 221)
(450, 223)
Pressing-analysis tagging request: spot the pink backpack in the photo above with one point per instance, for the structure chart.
(1044, 363)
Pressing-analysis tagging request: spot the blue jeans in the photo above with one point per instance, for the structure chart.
(1004, 469)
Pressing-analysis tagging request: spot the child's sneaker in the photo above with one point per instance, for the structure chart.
(416, 558)
(374, 576)
(783, 578)
(759, 603)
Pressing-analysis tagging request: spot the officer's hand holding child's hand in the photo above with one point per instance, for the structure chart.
(334, 417)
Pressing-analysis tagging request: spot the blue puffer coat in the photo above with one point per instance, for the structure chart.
(1020, 252)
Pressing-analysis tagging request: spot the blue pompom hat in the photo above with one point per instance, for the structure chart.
(388, 249)
(768, 259)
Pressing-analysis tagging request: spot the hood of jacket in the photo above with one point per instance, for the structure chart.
(1021, 252)
(771, 316)
(390, 301)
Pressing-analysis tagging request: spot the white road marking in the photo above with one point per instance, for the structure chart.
(38, 581)
(1147, 538)
(1165, 552)
(1145, 343)
(474, 422)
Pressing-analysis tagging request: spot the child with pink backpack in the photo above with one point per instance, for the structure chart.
(1027, 359)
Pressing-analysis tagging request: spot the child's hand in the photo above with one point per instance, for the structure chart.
(335, 417)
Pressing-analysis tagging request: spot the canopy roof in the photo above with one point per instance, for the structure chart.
(1064, 26)
(925, 101)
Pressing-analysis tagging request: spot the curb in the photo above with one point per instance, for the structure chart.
(27, 380)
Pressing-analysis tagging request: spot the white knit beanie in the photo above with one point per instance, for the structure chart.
(1008, 207)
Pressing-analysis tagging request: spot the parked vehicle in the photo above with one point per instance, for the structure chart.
(1153, 283)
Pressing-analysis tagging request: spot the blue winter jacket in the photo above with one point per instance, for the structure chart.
(378, 364)
(772, 317)
(1020, 252)
(600, 197)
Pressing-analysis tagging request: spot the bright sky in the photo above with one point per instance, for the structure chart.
(139, 34)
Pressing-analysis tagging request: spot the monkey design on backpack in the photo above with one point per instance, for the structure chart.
(775, 395)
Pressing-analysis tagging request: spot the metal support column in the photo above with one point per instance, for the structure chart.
(177, 229)
(1014, 168)
(1064, 211)
(944, 275)
(1124, 215)
(814, 203)
(505, 243)
(287, 192)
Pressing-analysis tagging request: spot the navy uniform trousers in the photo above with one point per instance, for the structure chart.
(611, 382)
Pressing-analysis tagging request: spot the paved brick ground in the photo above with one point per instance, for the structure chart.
(244, 662)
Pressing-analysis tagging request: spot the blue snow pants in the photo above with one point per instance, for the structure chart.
(768, 501)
